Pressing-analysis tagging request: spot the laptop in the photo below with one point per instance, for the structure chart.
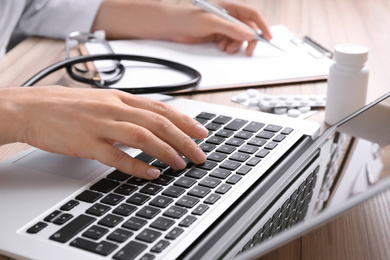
(267, 179)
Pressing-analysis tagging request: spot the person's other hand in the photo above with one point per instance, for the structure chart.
(88, 122)
(200, 26)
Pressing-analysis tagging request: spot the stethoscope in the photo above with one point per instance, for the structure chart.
(69, 63)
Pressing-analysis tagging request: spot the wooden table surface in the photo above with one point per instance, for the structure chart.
(361, 233)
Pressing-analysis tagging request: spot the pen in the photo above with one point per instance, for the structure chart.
(216, 9)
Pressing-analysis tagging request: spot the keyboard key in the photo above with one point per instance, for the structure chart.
(163, 180)
(52, 216)
(228, 149)
(207, 147)
(262, 153)
(271, 145)
(236, 124)
(199, 191)
(244, 170)
(253, 161)
(148, 256)
(253, 127)
(102, 248)
(279, 138)
(112, 199)
(257, 141)
(36, 228)
(187, 221)
(148, 212)
(62, 219)
(119, 235)
(148, 235)
(273, 128)
(161, 201)
(159, 164)
(199, 210)
(196, 173)
(187, 201)
(151, 189)
(138, 199)
(118, 176)
(160, 246)
(95, 232)
(126, 189)
(223, 188)
(89, 196)
(69, 205)
(243, 135)
(134, 223)
(222, 119)
(265, 135)
(130, 251)
(212, 126)
(162, 223)
(234, 179)
(173, 191)
(215, 140)
(220, 173)
(212, 198)
(174, 233)
(235, 141)
(175, 212)
(174, 173)
(185, 182)
(224, 133)
(72, 228)
(230, 165)
(217, 157)
(124, 209)
(137, 181)
(210, 182)
(206, 115)
(110, 220)
(104, 185)
(144, 157)
(250, 149)
(98, 209)
(207, 165)
(287, 130)
(240, 157)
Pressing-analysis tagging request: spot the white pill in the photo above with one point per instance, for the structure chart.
(252, 92)
(304, 109)
(242, 97)
(280, 110)
(293, 113)
(253, 102)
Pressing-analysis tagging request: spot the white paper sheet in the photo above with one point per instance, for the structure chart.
(219, 69)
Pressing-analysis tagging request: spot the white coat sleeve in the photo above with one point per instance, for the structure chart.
(57, 18)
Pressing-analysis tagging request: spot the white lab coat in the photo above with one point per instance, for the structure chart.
(47, 18)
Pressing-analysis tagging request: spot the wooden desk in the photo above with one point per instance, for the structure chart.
(361, 233)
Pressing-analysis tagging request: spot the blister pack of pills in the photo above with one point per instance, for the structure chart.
(300, 106)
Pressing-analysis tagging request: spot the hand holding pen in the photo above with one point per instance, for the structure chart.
(237, 18)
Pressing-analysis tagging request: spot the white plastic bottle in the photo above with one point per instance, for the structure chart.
(347, 82)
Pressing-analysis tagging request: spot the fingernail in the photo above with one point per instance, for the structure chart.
(153, 173)
(200, 156)
(180, 163)
(201, 130)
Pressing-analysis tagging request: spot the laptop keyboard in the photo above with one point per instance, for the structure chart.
(132, 218)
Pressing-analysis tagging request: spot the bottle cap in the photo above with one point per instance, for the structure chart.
(350, 54)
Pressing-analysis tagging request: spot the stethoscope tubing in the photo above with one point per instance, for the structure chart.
(194, 80)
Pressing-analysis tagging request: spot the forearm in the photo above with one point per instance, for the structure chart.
(123, 19)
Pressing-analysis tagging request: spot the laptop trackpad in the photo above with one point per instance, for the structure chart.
(60, 165)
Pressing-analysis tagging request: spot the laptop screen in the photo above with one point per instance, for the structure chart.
(359, 167)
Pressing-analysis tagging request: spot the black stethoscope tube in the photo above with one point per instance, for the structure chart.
(68, 63)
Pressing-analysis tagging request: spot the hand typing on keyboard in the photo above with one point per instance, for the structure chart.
(87, 123)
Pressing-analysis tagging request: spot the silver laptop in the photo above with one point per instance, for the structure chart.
(266, 177)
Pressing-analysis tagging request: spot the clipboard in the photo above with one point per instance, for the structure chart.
(303, 60)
